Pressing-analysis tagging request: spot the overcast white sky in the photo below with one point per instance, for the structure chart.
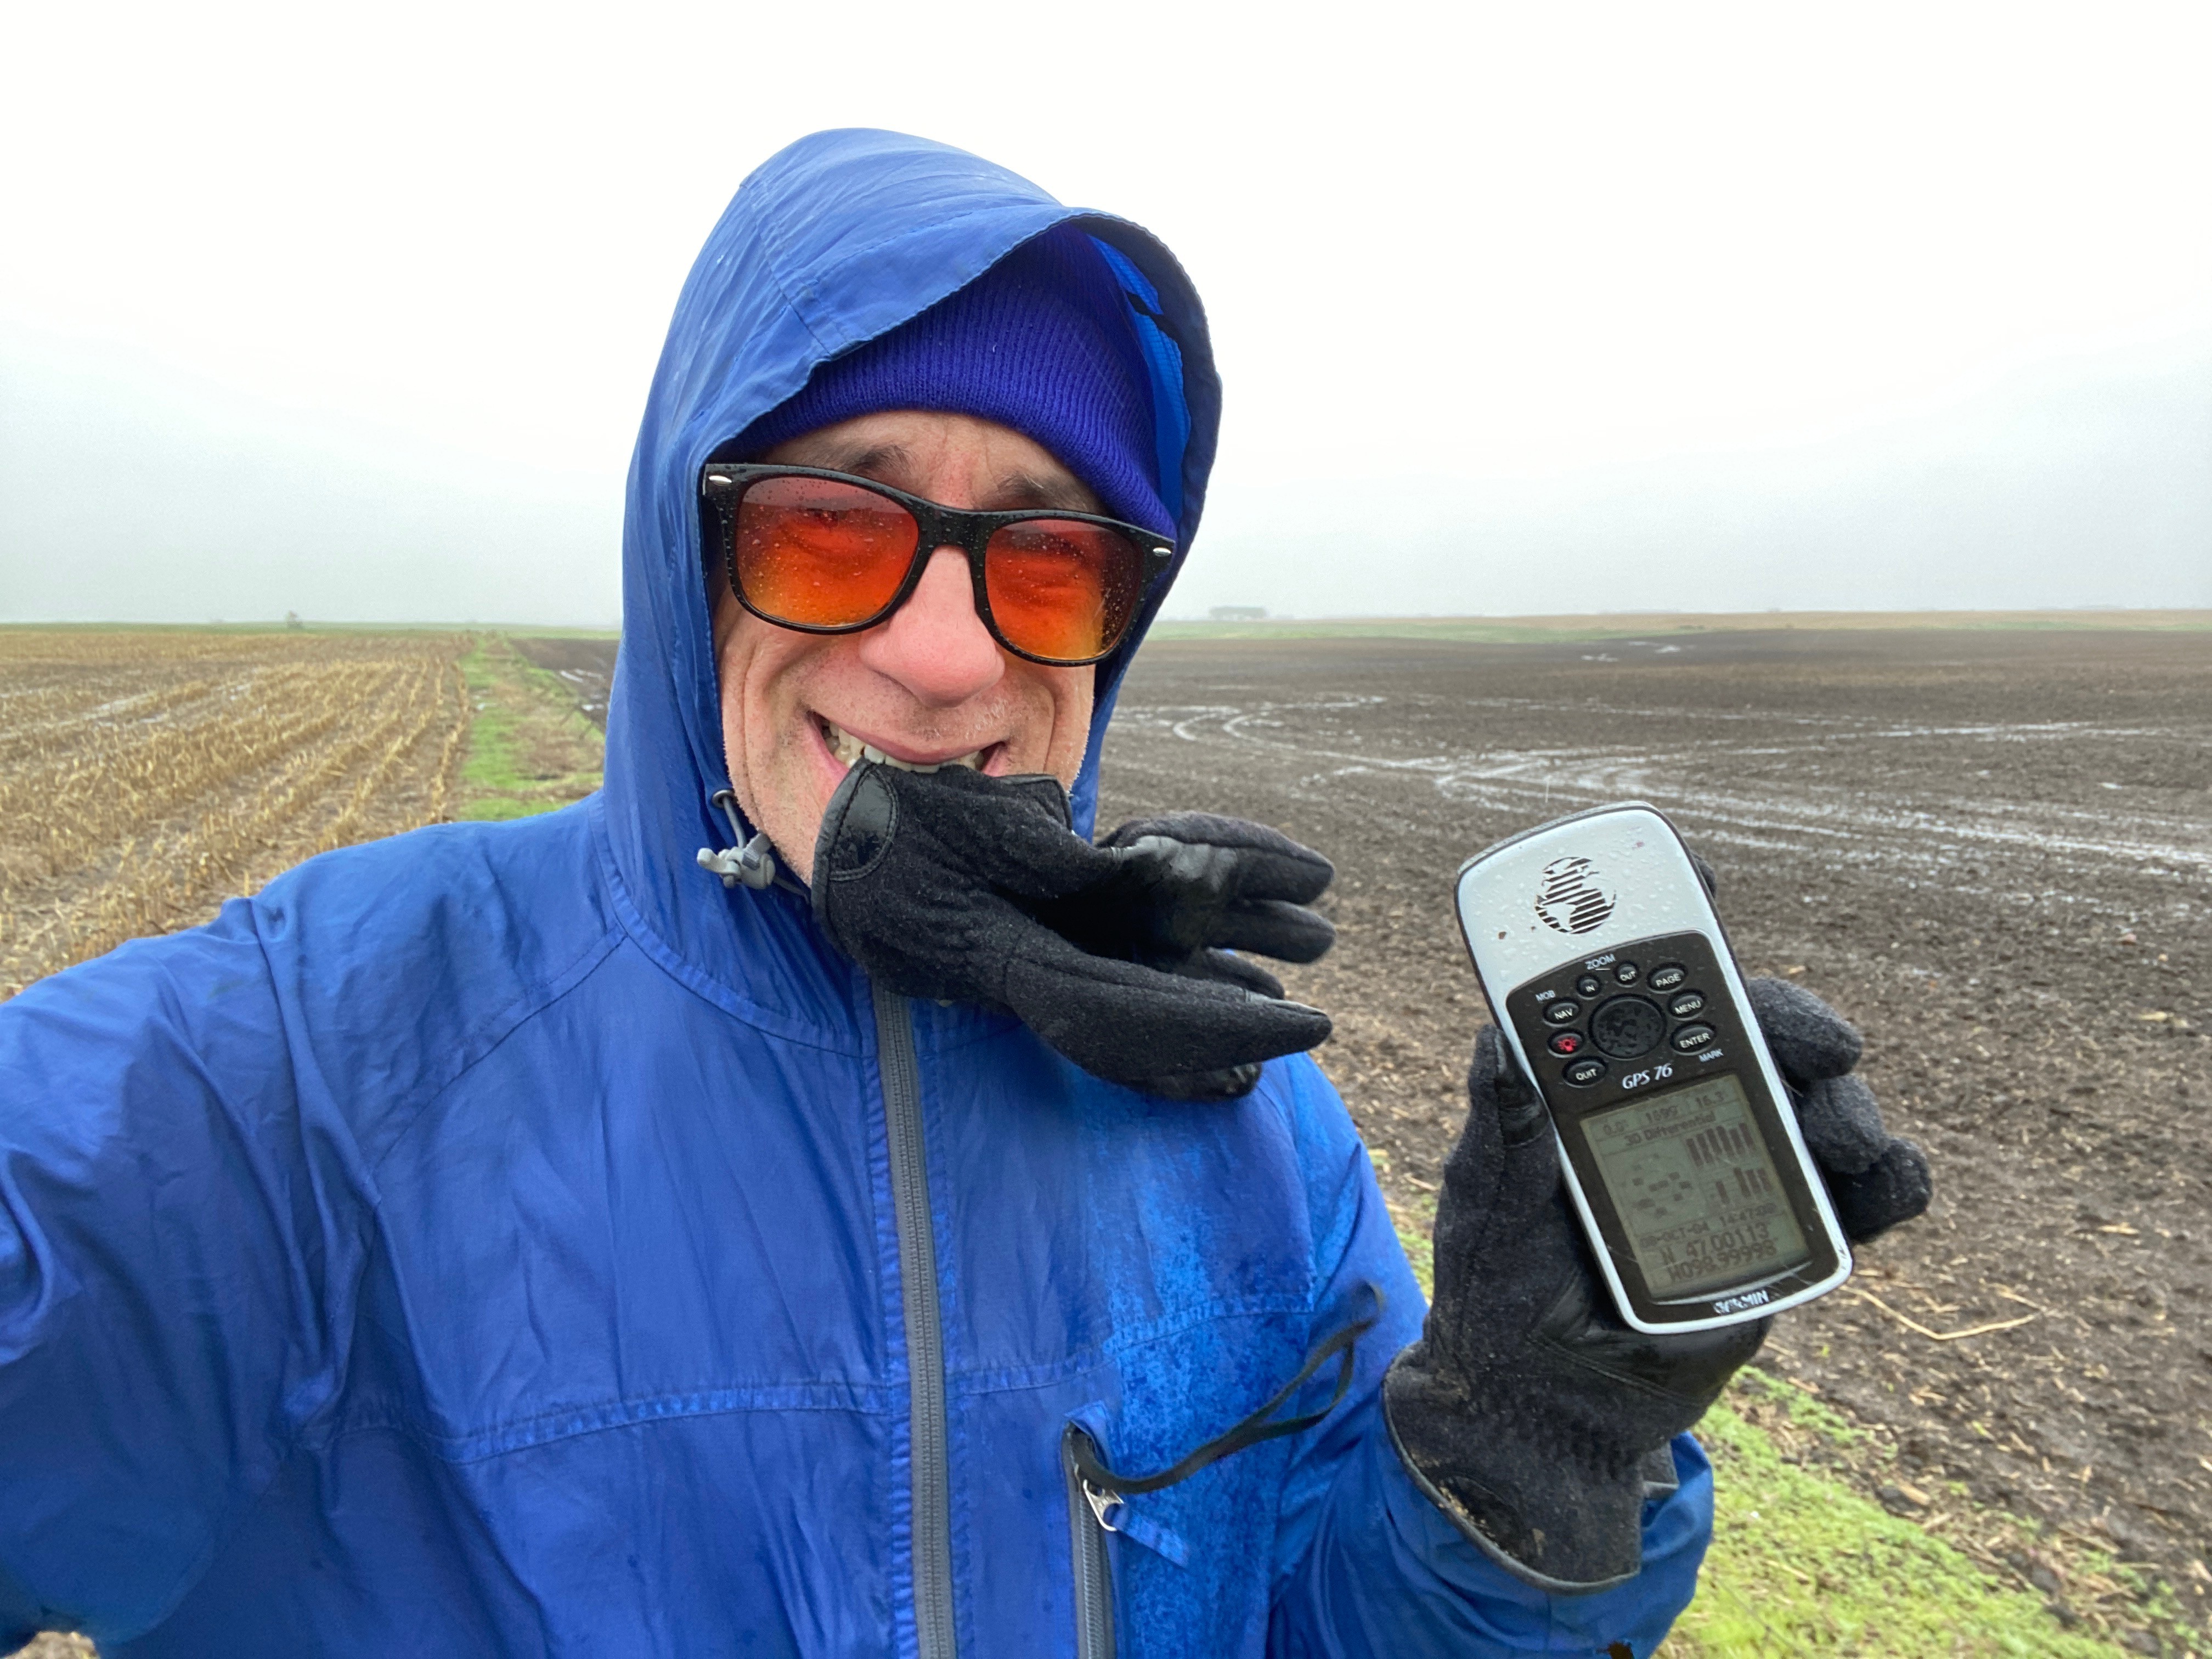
(351, 310)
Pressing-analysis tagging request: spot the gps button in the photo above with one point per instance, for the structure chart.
(1588, 985)
(1692, 1036)
(1625, 973)
(1684, 1005)
(1666, 978)
(1626, 1027)
(1567, 1042)
(1583, 1073)
(1563, 1013)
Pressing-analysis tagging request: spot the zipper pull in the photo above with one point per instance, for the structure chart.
(1103, 1503)
(1115, 1515)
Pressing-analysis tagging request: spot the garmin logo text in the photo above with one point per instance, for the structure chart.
(1569, 899)
(1729, 1305)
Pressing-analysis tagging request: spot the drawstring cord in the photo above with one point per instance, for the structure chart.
(1106, 1490)
(750, 862)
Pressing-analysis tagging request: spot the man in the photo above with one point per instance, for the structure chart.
(514, 1239)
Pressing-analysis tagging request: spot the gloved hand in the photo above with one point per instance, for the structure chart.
(1527, 1411)
(1874, 1180)
(954, 885)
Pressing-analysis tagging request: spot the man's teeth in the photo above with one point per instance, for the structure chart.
(850, 751)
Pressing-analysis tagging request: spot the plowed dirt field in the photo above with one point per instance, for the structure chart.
(1992, 850)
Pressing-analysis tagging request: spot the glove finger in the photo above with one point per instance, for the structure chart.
(1291, 872)
(1230, 971)
(1690, 1367)
(1841, 1125)
(1274, 928)
(1168, 898)
(1896, 1188)
(1268, 863)
(1503, 1175)
(1126, 1022)
(1210, 828)
(1495, 1083)
(1511, 1097)
(1706, 878)
(1232, 1083)
(1809, 1039)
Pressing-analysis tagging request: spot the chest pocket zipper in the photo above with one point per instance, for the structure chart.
(1086, 1532)
(1096, 1493)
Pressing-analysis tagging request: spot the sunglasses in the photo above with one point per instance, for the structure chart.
(828, 553)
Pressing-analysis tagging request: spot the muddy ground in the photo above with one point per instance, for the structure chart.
(1991, 848)
(587, 664)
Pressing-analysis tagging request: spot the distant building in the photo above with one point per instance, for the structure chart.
(1237, 613)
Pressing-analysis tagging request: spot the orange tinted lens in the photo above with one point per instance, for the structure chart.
(820, 553)
(1061, 588)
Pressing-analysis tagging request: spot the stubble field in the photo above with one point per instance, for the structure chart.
(147, 774)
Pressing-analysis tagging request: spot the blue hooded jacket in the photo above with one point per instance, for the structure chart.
(501, 1239)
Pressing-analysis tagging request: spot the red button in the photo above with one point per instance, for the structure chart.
(1567, 1042)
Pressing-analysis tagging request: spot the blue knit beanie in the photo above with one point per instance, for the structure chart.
(1041, 343)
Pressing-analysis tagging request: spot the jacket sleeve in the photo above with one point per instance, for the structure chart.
(1366, 1567)
(169, 1227)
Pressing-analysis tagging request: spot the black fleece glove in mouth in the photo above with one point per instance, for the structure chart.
(960, 887)
(1532, 1416)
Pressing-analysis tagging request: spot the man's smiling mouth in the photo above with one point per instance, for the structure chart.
(848, 751)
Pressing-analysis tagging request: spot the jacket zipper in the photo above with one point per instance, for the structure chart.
(1094, 1574)
(932, 1528)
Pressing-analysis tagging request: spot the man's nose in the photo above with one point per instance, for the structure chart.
(935, 645)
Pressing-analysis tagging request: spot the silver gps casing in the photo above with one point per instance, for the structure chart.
(1637, 882)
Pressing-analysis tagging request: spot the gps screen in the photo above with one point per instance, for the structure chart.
(1690, 1177)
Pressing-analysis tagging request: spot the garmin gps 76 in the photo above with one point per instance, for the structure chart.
(1612, 985)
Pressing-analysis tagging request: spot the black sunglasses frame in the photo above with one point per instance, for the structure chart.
(722, 486)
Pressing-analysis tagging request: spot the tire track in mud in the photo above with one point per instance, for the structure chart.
(1556, 780)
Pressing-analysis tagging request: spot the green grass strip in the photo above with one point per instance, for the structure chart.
(491, 786)
(1801, 1564)
(523, 717)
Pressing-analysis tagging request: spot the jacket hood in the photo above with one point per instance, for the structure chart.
(838, 238)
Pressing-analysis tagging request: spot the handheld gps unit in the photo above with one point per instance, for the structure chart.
(1612, 985)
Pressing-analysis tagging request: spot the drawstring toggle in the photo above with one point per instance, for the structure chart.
(751, 863)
